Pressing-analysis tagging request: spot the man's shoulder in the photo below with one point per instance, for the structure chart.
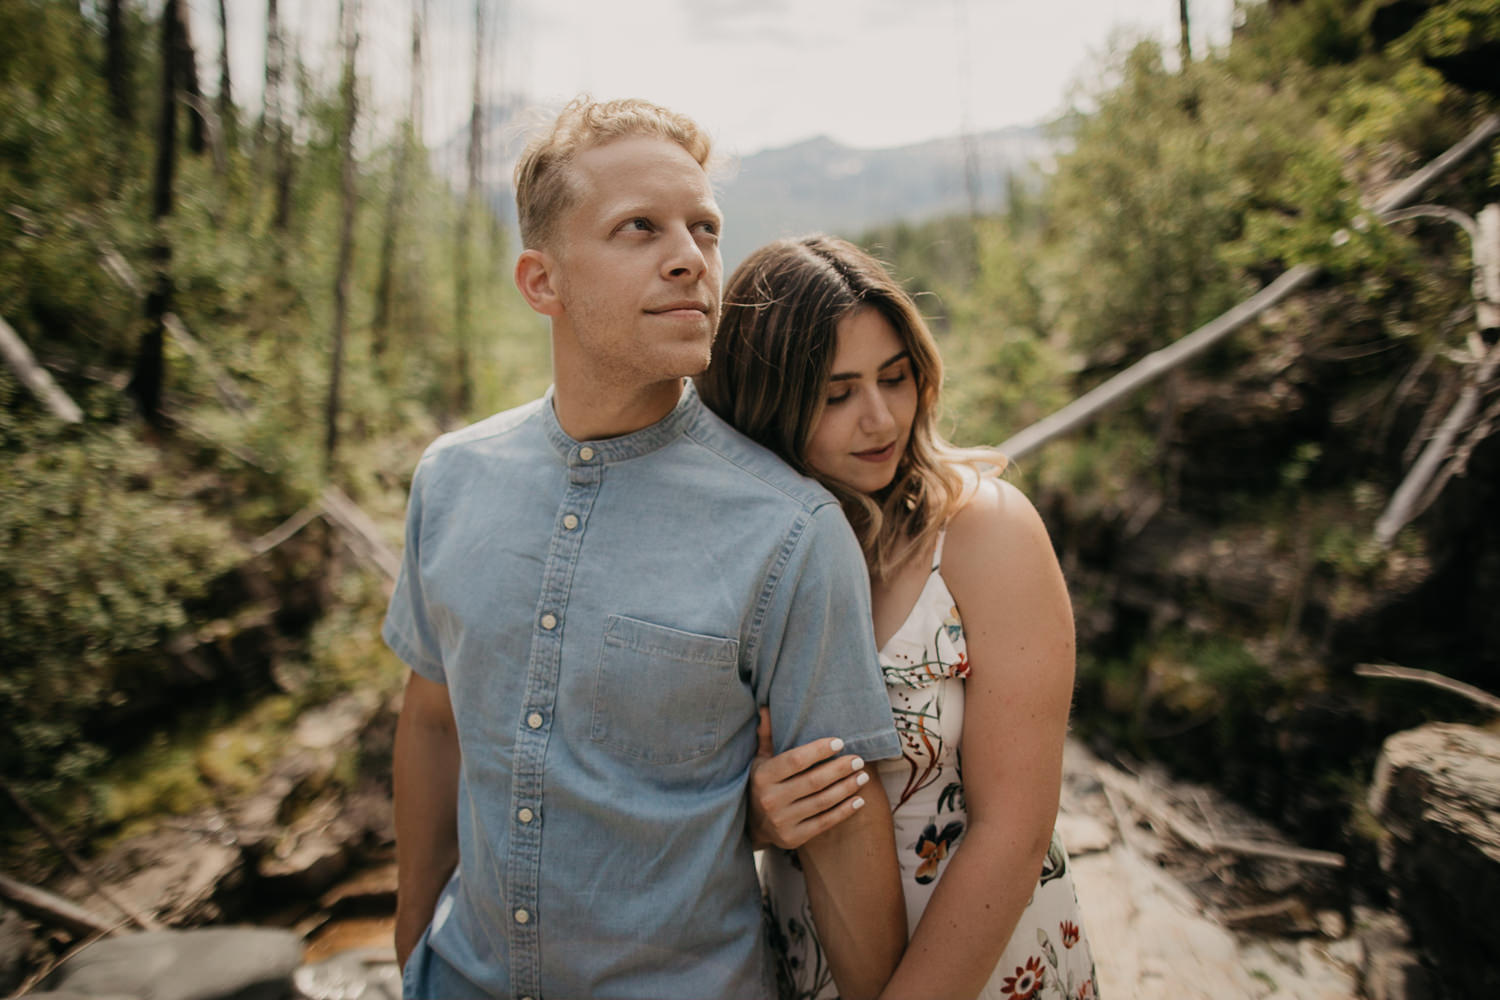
(754, 468)
(488, 437)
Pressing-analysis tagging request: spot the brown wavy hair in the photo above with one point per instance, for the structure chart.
(543, 193)
(769, 378)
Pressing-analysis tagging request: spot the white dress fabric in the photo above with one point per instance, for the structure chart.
(925, 664)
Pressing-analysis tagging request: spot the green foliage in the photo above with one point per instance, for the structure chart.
(116, 541)
(103, 551)
(1451, 29)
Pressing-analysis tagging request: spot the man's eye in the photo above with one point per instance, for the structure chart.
(711, 228)
(639, 225)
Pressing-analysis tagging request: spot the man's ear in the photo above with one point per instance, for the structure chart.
(536, 279)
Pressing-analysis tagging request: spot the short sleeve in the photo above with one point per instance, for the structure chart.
(408, 628)
(817, 667)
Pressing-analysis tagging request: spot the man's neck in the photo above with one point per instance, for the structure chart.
(594, 413)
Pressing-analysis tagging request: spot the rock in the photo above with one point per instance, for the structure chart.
(1083, 834)
(1437, 793)
(295, 780)
(15, 948)
(215, 963)
(337, 722)
(181, 874)
(182, 886)
(310, 856)
(372, 890)
(1389, 969)
(367, 974)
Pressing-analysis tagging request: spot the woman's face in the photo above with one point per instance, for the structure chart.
(871, 402)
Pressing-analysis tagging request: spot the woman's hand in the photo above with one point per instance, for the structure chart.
(796, 795)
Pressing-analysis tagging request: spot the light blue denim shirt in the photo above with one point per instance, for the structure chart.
(607, 616)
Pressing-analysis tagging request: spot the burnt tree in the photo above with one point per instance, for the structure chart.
(349, 29)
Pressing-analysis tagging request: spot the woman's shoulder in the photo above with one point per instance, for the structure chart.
(991, 505)
(997, 526)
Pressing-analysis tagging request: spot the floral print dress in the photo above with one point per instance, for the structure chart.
(925, 664)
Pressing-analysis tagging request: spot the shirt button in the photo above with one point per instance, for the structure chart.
(586, 453)
(525, 815)
(523, 917)
(549, 622)
(534, 720)
(570, 522)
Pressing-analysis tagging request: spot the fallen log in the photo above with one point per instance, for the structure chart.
(42, 905)
(1197, 837)
(1431, 677)
(265, 543)
(141, 920)
(35, 377)
(360, 532)
(1104, 396)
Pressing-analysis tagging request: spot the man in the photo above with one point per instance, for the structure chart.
(599, 590)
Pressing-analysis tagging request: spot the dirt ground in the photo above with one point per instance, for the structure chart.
(1154, 940)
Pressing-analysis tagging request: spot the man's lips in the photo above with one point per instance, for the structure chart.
(684, 308)
(877, 454)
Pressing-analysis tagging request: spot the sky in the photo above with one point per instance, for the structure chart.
(756, 73)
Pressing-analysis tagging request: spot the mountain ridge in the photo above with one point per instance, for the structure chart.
(818, 184)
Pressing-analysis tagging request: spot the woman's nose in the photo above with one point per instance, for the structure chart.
(877, 415)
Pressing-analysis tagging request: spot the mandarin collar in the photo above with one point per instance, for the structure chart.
(626, 446)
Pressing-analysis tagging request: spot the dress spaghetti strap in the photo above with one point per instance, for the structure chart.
(937, 552)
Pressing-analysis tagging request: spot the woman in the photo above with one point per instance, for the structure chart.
(822, 357)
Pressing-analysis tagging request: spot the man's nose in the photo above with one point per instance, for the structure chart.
(685, 258)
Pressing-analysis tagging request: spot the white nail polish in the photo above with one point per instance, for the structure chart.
(836, 745)
(862, 780)
(857, 804)
(857, 764)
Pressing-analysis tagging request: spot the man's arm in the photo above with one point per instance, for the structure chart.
(426, 807)
(854, 888)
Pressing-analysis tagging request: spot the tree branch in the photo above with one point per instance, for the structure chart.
(1432, 678)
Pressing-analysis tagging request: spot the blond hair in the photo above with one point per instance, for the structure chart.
(543, 193)
(769, 378)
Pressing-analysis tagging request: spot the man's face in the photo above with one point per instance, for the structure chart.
(636, 262)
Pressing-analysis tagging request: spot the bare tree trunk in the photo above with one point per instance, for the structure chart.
(150, 364)
(464, 397)
(1184, 43)
(116, 62)
(385, 285)
(186, 68)
(228, 120)
(417, 113)
(349, 28)
(271, 91)
(275, 127)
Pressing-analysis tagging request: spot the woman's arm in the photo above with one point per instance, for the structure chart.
(1018, 623)
(854, 889)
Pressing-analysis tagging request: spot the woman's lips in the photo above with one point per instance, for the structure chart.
(877, 454)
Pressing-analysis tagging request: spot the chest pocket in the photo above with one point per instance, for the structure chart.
(661, 694)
